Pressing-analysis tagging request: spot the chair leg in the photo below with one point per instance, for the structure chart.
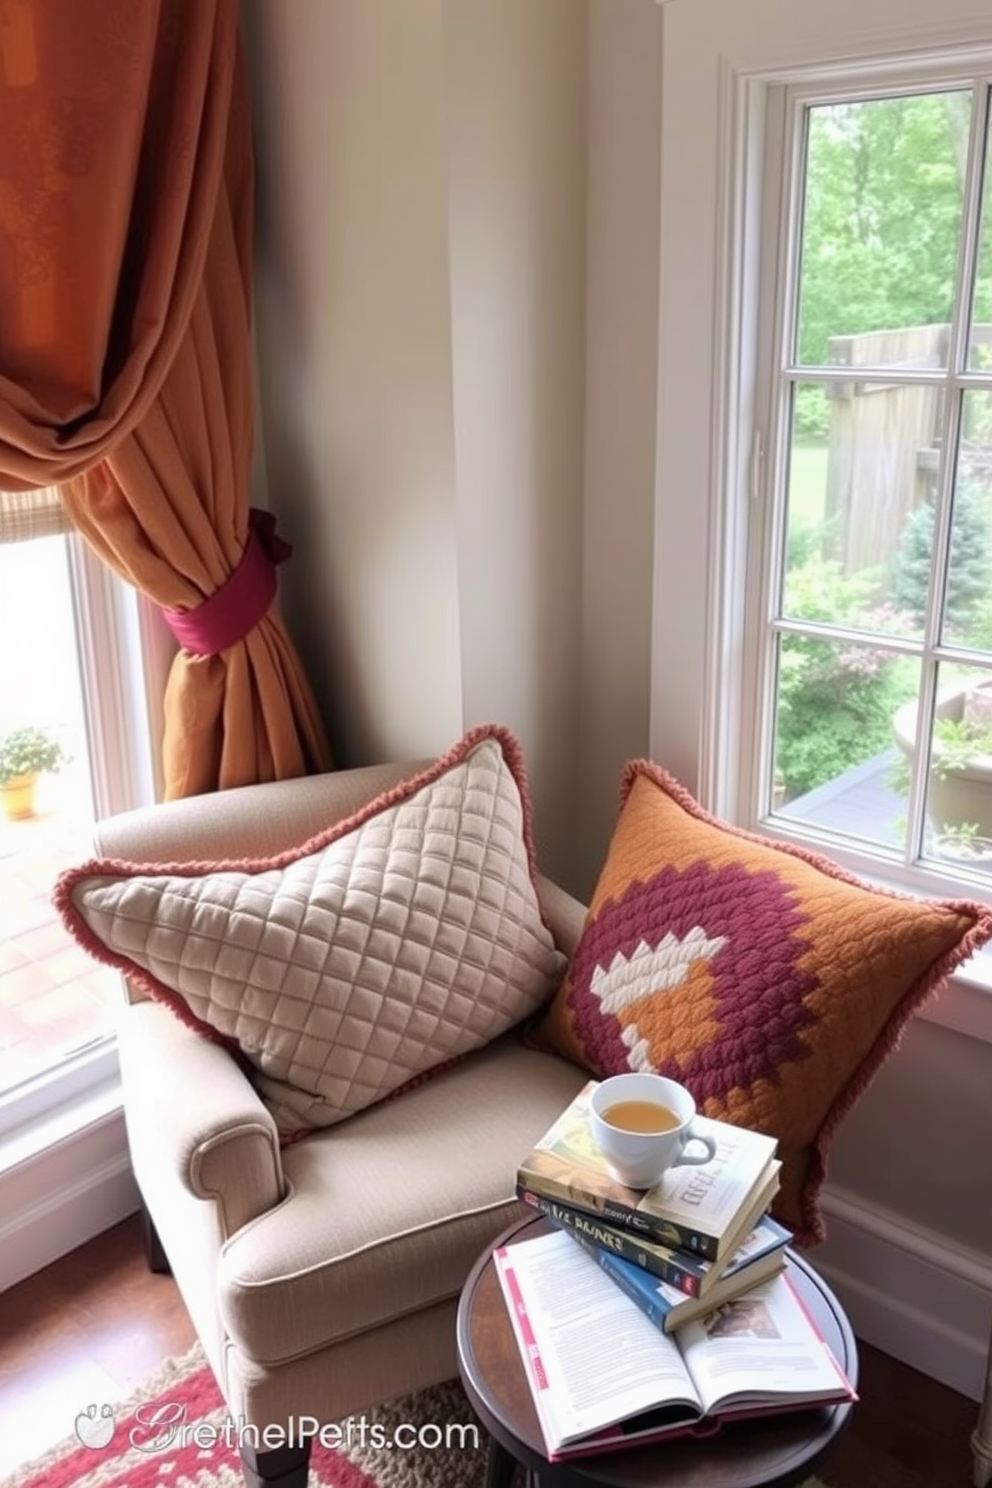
(155, 1256)
(283, 1467)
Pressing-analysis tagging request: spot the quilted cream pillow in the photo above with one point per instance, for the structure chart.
(766, 979)
(396, 941)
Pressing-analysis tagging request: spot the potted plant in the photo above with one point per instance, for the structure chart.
(959, 791)
(25, 754)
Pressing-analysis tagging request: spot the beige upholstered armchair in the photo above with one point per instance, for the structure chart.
(322, 1277)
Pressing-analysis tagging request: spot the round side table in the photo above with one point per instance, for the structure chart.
(773, 1452)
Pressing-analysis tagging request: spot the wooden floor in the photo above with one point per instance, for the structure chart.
(85, 1330)
(90, 1327)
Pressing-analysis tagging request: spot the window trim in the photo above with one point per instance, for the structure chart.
(778, 370)
(115, 693)
(54, 1095)
(719, 58)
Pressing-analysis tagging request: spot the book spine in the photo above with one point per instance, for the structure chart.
(676, 1236)
(652, 1307)
(627, 1245)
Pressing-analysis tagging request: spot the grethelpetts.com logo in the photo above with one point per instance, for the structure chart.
(95, 1428)
(161, 1427)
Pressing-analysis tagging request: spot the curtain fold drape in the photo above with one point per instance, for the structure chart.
(126, 223)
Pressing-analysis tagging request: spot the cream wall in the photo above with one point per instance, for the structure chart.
(934, 1168)
(354, 335)
(621, 384)
(516, 109)
(421, 326)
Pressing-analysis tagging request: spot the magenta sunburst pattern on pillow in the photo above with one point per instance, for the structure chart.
(768, 980)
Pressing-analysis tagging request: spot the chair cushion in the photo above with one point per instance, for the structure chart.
(765, 978)
(388, 1212)
(342, 969)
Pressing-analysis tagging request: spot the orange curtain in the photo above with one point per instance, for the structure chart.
(126, 207)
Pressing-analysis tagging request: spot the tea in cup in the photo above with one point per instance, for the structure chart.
(642, 1124)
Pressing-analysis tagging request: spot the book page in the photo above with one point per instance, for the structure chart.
(593, 1355)
(758, 1349)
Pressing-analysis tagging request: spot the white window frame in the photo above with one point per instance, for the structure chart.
(719, 59)
(784, 165)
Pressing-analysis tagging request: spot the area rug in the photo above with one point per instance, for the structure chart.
(175, 1431)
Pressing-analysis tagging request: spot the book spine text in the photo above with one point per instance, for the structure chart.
(586, 1226)
(662, 1232)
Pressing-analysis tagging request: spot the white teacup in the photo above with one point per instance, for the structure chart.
(642, 1124)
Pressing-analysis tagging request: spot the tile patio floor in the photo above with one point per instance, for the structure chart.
(54, 998)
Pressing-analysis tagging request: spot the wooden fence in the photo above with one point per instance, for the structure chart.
(884, 442)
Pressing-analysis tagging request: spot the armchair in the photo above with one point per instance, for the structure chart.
(323, 1277)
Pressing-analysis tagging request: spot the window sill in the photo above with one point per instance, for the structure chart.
(65, 1170)
(57, 1107)
(965, 1004)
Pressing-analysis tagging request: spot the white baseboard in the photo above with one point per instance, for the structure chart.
(56, 1199)
(909, 1291)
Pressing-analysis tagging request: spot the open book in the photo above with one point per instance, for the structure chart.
(604, 1376)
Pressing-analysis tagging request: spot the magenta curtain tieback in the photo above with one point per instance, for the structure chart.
(234, 609)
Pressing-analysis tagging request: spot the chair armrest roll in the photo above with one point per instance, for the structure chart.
(190, 1109)
(247, 821)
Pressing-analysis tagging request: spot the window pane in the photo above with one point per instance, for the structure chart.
(881, 228)
(54, 999)
(968, 597)
(980, 342)
(863, 462)
(836, 761)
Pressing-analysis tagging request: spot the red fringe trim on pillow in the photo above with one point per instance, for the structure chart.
(160, 992)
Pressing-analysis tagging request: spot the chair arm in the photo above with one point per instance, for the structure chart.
(247, 821)
(190, 1111)
(565, 915)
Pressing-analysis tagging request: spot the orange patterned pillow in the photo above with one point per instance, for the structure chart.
(766, 979)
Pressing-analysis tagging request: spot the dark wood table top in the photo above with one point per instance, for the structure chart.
(773, 1452)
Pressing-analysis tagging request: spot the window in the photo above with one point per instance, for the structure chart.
(869, 607)
(70, 664)
(823, 503)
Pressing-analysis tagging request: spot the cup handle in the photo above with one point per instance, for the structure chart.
(686, 1158)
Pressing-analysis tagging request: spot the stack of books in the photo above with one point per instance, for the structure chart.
(701, 1236)
(718, 1332)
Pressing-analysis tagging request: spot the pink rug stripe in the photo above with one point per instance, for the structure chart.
(154, 1442)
